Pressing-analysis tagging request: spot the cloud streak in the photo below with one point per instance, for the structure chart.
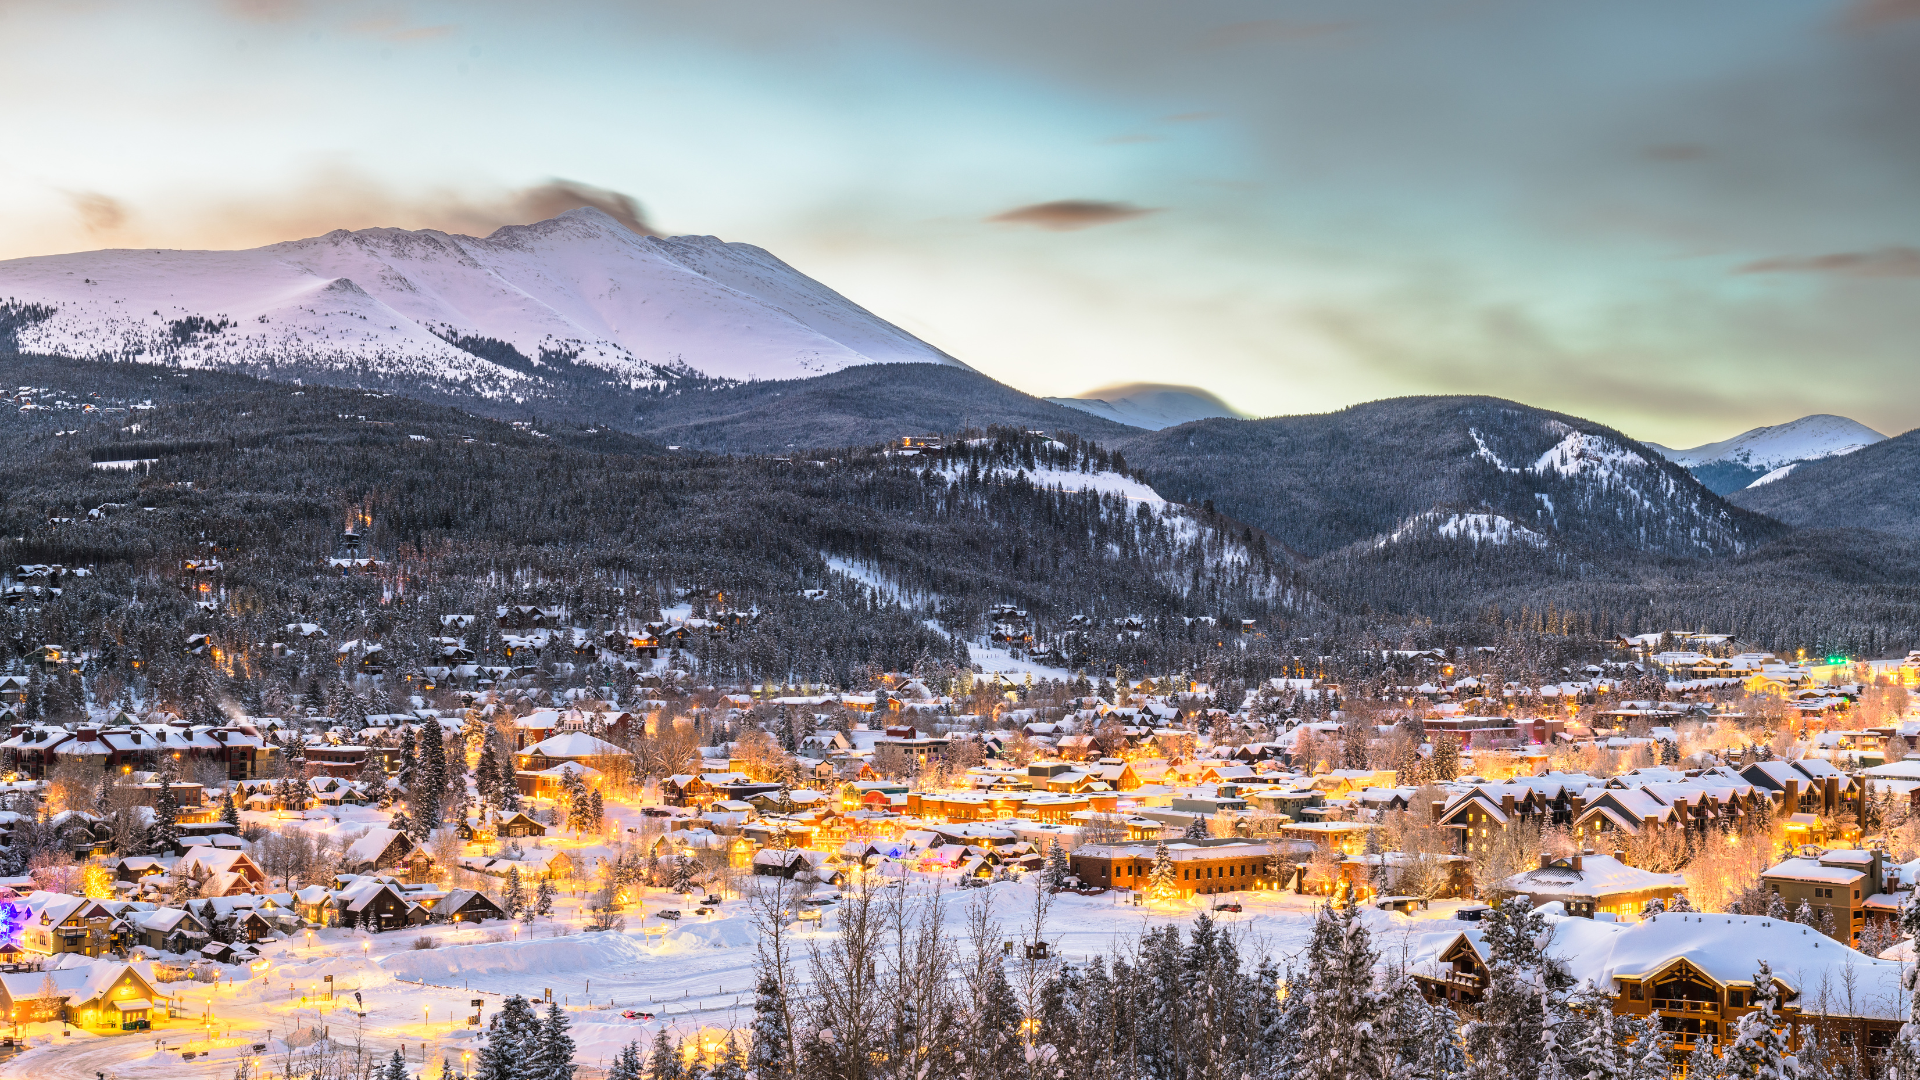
(1890, 262)
(99, 213)
(1066, 215)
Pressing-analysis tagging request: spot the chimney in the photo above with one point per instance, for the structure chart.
(1832, 801)
(1791, 804)
(1506, 803)
(1545, 860)
(1620, 856)
(88, 734)
(1577, 804)
(1579, 862)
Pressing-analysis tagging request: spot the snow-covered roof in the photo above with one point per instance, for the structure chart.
(1598, 876)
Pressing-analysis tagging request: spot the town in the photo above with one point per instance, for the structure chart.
(555, 837)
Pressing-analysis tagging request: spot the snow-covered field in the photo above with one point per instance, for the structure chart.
(699, 975)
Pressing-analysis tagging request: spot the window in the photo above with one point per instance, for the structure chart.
(1633, 992)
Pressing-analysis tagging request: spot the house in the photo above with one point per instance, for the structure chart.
(519, 826)
(170, 929)
(377, 850)
(100, 997)
(375, 903)
(227, 871)
(57, 923)
(466, 906)
(1588, 884)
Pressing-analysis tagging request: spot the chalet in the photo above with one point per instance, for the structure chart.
(375, 903)
(226, 871)
(170, 929)
(376, 850)
(466, 906)
(1694, 972)
(571, 746)
(519, 826)
(100, 997)
(1588, 884)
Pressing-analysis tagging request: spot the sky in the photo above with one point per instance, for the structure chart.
(1682, 220)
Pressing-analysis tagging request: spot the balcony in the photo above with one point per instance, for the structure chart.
(1686, 1007)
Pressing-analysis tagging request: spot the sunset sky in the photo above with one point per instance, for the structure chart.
(1679, 219)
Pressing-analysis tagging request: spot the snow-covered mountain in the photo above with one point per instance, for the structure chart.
(1152, 406)
(576, 298)
(1756, 456)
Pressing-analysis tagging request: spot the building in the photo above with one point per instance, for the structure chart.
(1588, 885)
(1693, 972)
(1840, 883)
(100, 997)
(1202, 866)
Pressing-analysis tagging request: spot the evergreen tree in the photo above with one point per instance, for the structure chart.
(1444, 763)
(1804, 914)
(1162, 879)
(427, 796)
(229, 813)
(1681, 904)
(1423, 1038)
(731, 1066)
(514, 898)
(1509, 1038)
(597, 810)
(487, 773)
(164, 834)
(1196, 829)
(664, 1062)
(1777, 909)
(767, 1053)
(1343, 1008)
(512, 1042)
(1903, 1058)
(395, 1068)
(409, 759)
(1057, 870)
(552, 1059)
(628, 1064)
(543, 899)
(1759, 1048)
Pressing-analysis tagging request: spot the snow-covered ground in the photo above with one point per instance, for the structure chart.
(697, 976)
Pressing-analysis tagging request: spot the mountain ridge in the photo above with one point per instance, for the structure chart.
(577, 298)
(1764, 454)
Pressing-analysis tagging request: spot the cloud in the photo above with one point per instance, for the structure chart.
(1895, 262)
(395, 28)
(556, 197)
(1125, 140)
(99, 213)
(1067, 214)
(266, 10)
(1874, 14)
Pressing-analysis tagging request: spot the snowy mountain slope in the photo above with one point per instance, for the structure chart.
(1732, 464)
(577, 297)
(1871, 488)
(1321, 483)
(1151, 406)
(1481, 528)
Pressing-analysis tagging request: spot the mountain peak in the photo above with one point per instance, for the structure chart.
(578, 293)
(1152, 406)
(1732, 464)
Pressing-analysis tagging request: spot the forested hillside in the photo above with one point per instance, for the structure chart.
(463, 514)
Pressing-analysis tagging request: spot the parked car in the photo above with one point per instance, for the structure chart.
(1401, 904)
(1233, 906)
(1472, 912)
(711, 901)
(703, 910)
(669, 913)
(633, 1015)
